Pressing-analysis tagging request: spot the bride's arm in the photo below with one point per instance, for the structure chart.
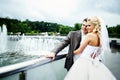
(83, 45)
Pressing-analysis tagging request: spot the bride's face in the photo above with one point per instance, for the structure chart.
(90, 27)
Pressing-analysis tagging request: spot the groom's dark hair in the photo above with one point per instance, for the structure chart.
(85, 19)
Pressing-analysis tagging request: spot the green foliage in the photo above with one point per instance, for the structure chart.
(36, 27)
(114, 31)
(27, 26)
(50, 33)
(77, 26)
(65, 29)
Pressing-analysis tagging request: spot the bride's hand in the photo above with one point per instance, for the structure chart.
(76, 51)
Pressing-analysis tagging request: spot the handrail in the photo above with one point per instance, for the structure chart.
(19, 67)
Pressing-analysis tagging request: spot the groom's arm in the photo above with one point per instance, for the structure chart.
(62, 44)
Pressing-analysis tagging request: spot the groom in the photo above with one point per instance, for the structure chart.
(73, 39)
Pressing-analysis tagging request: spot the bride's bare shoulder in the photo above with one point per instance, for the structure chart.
(90, 34)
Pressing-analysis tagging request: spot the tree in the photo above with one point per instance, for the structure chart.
(65, 29)
(77, 26)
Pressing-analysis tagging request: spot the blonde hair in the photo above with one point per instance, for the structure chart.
(96, 22)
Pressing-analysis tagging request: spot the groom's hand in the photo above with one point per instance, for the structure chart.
(51, 55)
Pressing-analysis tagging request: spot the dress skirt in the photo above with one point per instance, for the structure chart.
(89, 69)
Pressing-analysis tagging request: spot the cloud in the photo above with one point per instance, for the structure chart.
(111, 6)
(66, 12)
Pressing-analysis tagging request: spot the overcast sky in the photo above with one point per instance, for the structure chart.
(66, 12)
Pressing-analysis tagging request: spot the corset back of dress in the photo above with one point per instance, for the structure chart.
(89, 50)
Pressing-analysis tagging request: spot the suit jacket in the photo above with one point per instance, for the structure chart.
(73, 40)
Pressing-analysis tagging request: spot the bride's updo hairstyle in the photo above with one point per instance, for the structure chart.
(96, 22)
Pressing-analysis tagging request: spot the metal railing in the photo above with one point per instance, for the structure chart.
(23, 66)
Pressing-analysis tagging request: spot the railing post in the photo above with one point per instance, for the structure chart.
(22, 75)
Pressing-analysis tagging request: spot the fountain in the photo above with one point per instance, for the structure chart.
(19, 53)
(3, 38)
(15, 48)
(37, 45)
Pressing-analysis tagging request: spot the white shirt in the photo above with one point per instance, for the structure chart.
(78, 55)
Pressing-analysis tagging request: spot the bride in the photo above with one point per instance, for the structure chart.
(86, 66)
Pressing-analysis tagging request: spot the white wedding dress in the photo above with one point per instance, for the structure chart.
(86, 68)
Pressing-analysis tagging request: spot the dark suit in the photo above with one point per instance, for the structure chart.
(73, 40)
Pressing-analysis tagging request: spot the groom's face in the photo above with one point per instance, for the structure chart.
(84, 27)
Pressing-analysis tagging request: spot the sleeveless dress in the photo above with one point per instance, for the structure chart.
(86, 68)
